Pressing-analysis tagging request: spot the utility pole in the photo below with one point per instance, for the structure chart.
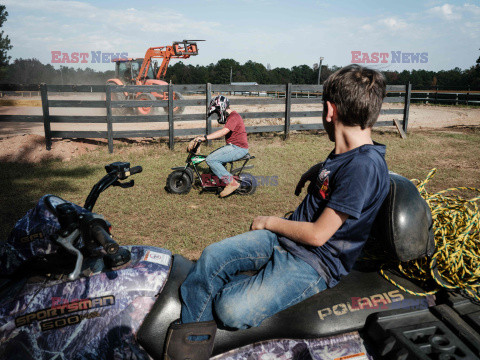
(320, 69)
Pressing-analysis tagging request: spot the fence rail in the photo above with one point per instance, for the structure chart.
(289, 96)
(449, 97)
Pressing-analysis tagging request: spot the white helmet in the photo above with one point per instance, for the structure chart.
(219, 104)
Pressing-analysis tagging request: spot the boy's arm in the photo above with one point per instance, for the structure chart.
(313, 234)
(215, 135)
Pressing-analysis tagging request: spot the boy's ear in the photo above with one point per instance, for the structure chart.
(331, 111)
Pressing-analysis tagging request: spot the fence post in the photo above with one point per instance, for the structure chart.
(171, 142)
(466, 97)
(208, 98)
(46, 116)
(436, 94)
(406, 110)
(108, 105)
(288, 105)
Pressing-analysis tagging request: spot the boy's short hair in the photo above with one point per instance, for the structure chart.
(358, 94)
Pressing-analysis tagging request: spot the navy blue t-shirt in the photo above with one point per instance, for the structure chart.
(354, 183)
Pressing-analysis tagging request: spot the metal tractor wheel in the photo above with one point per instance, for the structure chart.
(176, 109)
(145, 110)
(118, 96)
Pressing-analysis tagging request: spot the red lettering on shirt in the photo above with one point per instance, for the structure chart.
(324, 190)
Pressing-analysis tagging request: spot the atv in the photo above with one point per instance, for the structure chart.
(69, 291)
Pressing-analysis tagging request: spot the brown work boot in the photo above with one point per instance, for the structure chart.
(230, 188)
(182, 345)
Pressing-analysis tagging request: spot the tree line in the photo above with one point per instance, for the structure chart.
(32, 71)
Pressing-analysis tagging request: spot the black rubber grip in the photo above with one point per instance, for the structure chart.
(104, 239)
(136, 170)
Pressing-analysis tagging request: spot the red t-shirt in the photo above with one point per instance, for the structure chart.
(237, 135)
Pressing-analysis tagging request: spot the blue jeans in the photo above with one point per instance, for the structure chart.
(240, 301)
(222, 156)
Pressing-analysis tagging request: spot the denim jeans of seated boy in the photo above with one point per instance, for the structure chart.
(214, 289)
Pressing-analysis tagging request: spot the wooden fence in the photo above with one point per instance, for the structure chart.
(447, 97)
(401, 94)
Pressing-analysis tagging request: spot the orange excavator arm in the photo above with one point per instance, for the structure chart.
(179, 50)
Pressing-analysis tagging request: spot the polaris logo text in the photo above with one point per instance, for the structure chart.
(371, 302)
(393, 57)
(94, 57)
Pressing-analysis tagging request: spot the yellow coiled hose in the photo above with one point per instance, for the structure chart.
(455, 265)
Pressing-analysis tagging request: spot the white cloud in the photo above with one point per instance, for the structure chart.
(38, 27)
(393, 23)
(472, 9)
(446, 11)
(41, 26)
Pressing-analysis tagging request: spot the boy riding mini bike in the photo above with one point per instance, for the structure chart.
(236, 149)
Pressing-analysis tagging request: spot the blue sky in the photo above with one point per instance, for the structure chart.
(280, 33)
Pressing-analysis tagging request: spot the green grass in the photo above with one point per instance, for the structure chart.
(146, 214)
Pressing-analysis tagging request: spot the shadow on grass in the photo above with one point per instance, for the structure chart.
(22, 185)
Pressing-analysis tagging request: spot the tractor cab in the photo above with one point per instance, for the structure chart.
(127, 70)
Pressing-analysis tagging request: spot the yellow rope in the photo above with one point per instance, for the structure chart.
(455, 265)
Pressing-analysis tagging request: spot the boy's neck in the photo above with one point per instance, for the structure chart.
(350, 137)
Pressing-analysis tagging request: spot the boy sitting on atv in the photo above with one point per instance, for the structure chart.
(235, 137)
(310, 251)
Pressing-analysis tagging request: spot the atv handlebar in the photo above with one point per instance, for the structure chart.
(93, 227)
(136, 170)
(115, 172)
(101, 236)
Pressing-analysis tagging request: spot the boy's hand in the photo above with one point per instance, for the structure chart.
(309, 175)
(259, 223)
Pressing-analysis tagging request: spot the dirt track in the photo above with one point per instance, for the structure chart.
(25, 141)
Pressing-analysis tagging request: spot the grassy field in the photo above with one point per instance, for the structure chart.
(20, 102)
(146, 214)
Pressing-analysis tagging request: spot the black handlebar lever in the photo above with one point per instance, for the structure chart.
(136, 170)
(115, 171)
(122, 169)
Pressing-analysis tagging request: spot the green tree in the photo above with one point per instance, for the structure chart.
(4, 43)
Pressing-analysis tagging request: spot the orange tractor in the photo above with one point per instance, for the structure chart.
(147, 72)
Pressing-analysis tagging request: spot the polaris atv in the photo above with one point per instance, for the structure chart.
(68, 291)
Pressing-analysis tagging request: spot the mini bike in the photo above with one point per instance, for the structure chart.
(181, 180)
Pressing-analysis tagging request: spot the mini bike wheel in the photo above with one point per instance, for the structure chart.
(248, 184)
(178, 182)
